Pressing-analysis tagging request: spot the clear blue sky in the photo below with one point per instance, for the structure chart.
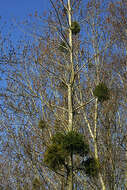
(21, 8)
(13, 12)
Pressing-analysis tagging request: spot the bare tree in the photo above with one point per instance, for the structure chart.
(64, 82)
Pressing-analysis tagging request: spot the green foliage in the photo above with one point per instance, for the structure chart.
(54, 157)
(101, 91)
(74, 143)
(42, 124)
(62, 146)
(63, 47)
(75, 27)
(91, 166)
(58, 138)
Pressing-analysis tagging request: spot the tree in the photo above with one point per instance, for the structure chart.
(118, 28)
(63, 90)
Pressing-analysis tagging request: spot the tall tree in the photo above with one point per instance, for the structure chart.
(118, 27)
(66, 102)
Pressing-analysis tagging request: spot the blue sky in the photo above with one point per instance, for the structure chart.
(21, 8)
(15, 11)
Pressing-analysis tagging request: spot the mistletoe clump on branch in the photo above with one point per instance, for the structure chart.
(42, 124)
(62, 147)
(63, 47)
(91, 167)
(101, 91)
(75, 28)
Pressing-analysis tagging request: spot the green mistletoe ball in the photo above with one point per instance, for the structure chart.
(91, 167)
(101, 91)
(75, 27)
(62, 147)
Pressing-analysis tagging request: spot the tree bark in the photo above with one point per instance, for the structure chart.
(70, 108)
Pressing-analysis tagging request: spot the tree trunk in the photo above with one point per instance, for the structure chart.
(95, 145)
(70, 108)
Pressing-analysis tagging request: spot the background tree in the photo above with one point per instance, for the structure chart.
(118, 27)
